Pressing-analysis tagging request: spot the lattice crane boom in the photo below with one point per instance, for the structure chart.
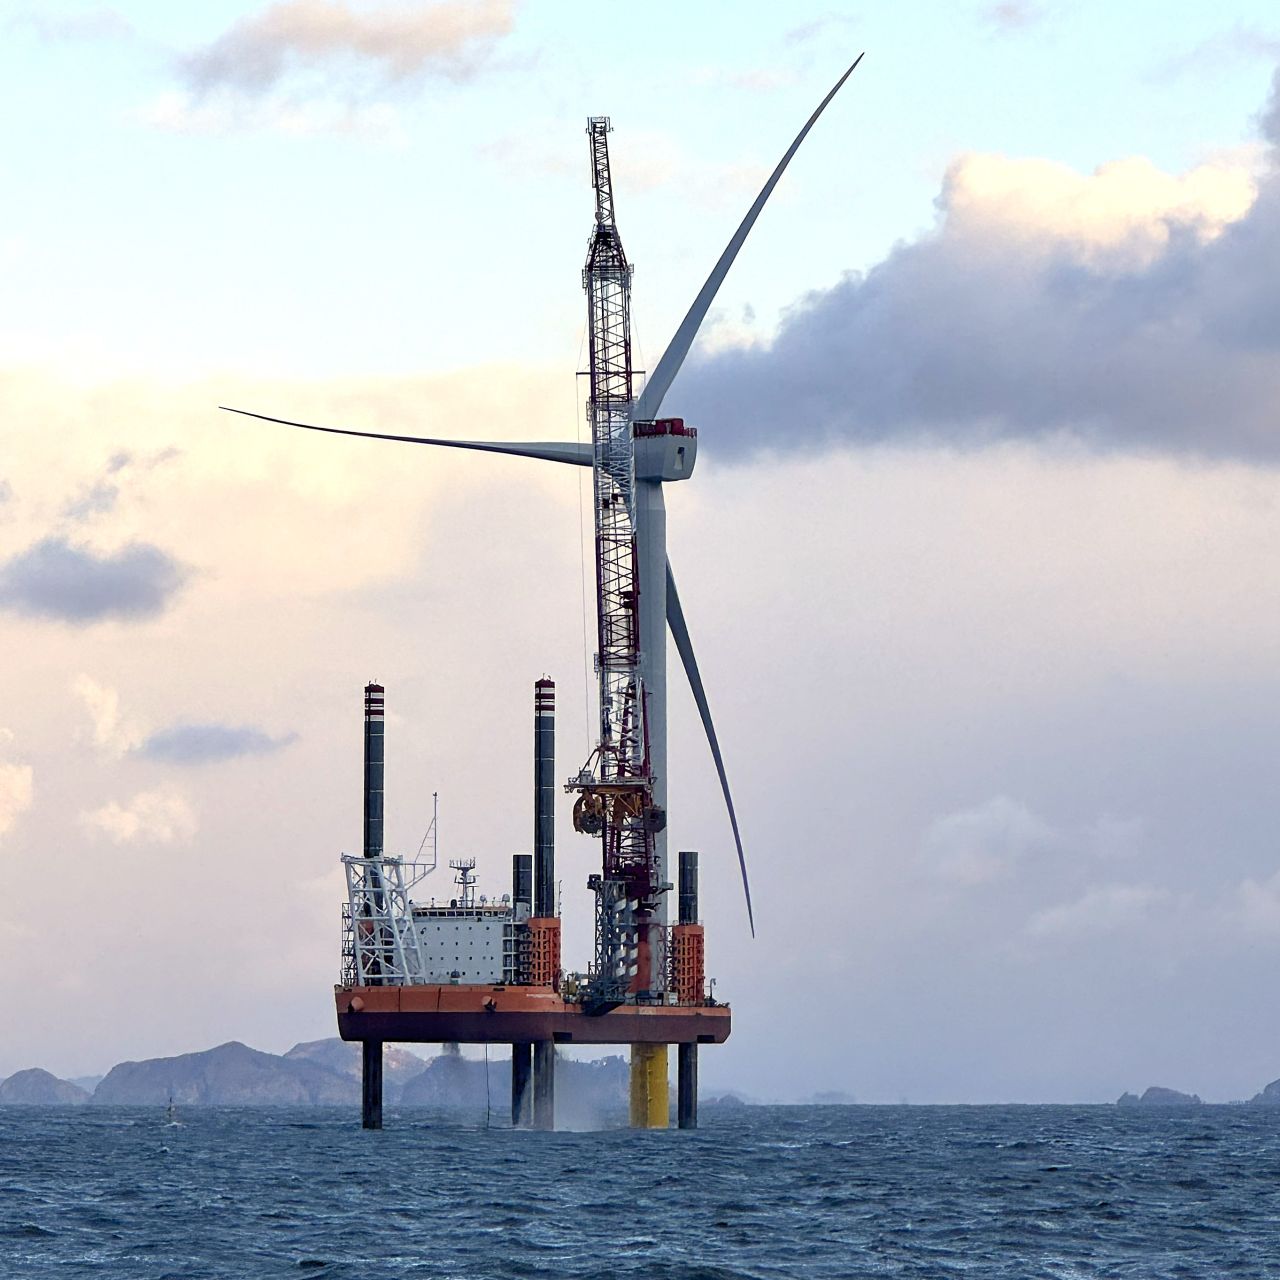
(616, 796)
(607, 281)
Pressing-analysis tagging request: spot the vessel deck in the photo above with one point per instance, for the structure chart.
(509, 1015)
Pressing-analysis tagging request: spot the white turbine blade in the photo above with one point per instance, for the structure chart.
(577, 455)
(673, 357)
(684, 647)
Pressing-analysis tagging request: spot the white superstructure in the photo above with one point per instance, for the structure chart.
(389, 940)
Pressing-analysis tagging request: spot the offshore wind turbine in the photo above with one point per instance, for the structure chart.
(657, 462)
(633, 455)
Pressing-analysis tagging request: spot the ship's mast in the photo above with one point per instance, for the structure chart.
(616, 786)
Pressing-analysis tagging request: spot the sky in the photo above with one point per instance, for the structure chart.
(979, 558)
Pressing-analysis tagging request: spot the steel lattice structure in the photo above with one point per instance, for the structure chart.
(617, 801)
(379, 943)
(607, 280)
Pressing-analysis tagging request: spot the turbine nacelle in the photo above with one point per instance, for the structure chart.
(665, 449)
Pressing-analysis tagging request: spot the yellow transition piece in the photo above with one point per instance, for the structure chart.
(650, 1102)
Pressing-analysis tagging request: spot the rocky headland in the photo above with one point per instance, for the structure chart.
(1159, 1097)
(1269, 1097)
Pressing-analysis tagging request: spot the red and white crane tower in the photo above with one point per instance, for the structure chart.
(616, 787)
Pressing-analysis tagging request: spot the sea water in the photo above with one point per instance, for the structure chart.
(756, 1192)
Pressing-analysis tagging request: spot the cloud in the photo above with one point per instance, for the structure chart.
(808, 32)
(73, 583)
(101, 496)
(1242, 42)
(194, 744)
(393, 43)
(17, 789)
(1013, 15)
(1112, 908)
(1269, 117)
(983, 844)
(1254, 908)
(90, 24)
(1123, 308)
(161, 816)
(184, 744)
(110, 731)
(989, 842)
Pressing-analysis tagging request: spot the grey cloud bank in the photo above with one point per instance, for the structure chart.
(59, 580)
(976, 333)
(196, 744)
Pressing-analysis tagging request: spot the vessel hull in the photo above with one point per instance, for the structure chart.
(511, 1015)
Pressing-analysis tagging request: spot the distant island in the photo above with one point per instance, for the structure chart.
(322, 1073)
(327, 1073)
(35, 1087)
(1157, 1096)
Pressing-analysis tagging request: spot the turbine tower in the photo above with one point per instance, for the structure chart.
(633, 454)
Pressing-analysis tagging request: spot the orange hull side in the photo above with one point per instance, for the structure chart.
(507, 1015)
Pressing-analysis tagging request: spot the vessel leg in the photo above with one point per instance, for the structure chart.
(371, 1084)
(687, 1086)
(650, 1097)
(521, 1068)
(544, 1084)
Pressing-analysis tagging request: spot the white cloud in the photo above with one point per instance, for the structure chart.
(983, 844)
(111, 732)
(303, 68)
(991, 841)
(1123, 214)
(54, 24)
(1255, 907)
(160, 816)
(394, 42)
(1112, 908)
(17, 789)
